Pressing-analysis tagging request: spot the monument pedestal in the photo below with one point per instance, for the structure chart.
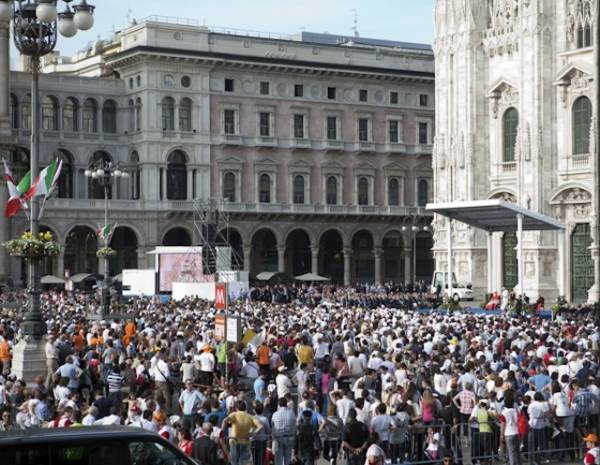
(29, 359)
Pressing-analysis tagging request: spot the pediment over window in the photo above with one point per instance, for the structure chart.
(504, 93)
(504, 196)
(572, 195)
(573, 72)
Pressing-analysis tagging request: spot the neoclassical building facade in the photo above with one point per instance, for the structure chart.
(319, 145)
(516, 120)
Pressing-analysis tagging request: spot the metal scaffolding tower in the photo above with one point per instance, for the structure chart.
(211, 232)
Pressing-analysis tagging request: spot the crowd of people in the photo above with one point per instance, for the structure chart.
(343, 373)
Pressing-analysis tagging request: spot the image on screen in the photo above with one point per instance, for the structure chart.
(179, 268)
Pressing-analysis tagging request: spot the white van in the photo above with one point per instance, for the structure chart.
(459, 291)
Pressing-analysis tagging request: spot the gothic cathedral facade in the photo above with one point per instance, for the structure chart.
(516, 120)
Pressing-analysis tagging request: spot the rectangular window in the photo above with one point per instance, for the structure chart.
(332, 128)
(264, 124)
(394, 98)
(299, 126)
(423, 136)
(264, 88)
(331, 93)
(363, 130)
(298, 90)
(363, 95)
(423, 100)
(229, 85)
(229, 121)
(394, 131)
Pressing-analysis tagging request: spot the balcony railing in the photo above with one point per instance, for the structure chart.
(580, 161)
(234, 207)
(508, 167)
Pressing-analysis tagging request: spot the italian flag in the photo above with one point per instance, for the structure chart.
(16, 200)
(104, 232)
(45, 182)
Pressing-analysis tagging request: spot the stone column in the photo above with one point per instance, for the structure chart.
(60, 262)
(247, 256)
(377, 252)
(281, 258)
(5, 259)
(347, 261)
(315, 260)
(5, 131)
(408, 266)
(5, 123)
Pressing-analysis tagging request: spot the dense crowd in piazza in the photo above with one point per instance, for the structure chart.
(360, 373)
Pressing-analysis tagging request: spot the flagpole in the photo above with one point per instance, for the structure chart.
(105, 287)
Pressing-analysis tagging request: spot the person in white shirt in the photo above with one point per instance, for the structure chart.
(283, 383)
(90, 418)
(300, 379)
(113, 419)
(207, 366)
(343, 405)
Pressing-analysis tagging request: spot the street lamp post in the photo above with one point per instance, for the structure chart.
(35, 27)
(414, 230)
(104, 172)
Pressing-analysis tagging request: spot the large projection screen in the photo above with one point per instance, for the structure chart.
(179, 266)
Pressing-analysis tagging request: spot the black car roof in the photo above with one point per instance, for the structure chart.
(45, 435)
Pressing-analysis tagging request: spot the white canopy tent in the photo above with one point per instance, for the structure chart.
(498, 215)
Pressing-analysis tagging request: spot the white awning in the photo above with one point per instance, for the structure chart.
(494, 215)
(498, 216)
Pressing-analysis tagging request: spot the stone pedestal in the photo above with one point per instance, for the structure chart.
(29, 359)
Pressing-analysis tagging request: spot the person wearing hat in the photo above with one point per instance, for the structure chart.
(592, 455)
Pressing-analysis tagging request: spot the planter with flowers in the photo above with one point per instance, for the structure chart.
(106, 252)
(33, 247)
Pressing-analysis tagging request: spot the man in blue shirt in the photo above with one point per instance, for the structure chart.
(190, 400)
(69, 370)
(540, 380)
(260, 387)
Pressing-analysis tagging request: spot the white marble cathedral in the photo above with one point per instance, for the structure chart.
(516, 120)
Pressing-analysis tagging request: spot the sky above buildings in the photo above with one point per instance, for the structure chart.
(403, 20)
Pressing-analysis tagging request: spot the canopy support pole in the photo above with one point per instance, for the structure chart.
(489, 263)
(561, 262)
(520, 253)
(449, 240)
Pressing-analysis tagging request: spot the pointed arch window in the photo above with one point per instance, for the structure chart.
(14, 111)
(65, 180)
(90, 116)
(363, 191)
(70, 115)
(177, 176)
(331, 190)
(229, 186)
(264, 188)
(510, 124)
(582, 121)
(393, 192)
(50, 113)
(135, 176)
(138, 114)
(168, 114)
(422, 193)
(298, 186)
(109, 117)
(185, 115)
(26, 112)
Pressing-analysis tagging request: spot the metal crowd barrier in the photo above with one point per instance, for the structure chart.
(469, 445)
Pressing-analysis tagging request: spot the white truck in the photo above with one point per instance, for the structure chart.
(459, 291)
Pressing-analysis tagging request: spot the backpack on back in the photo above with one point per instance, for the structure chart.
(522, 425)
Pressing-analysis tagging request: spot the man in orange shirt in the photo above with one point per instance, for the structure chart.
(263, 356)
(130, 330)
(5, 355)
(79, 340)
